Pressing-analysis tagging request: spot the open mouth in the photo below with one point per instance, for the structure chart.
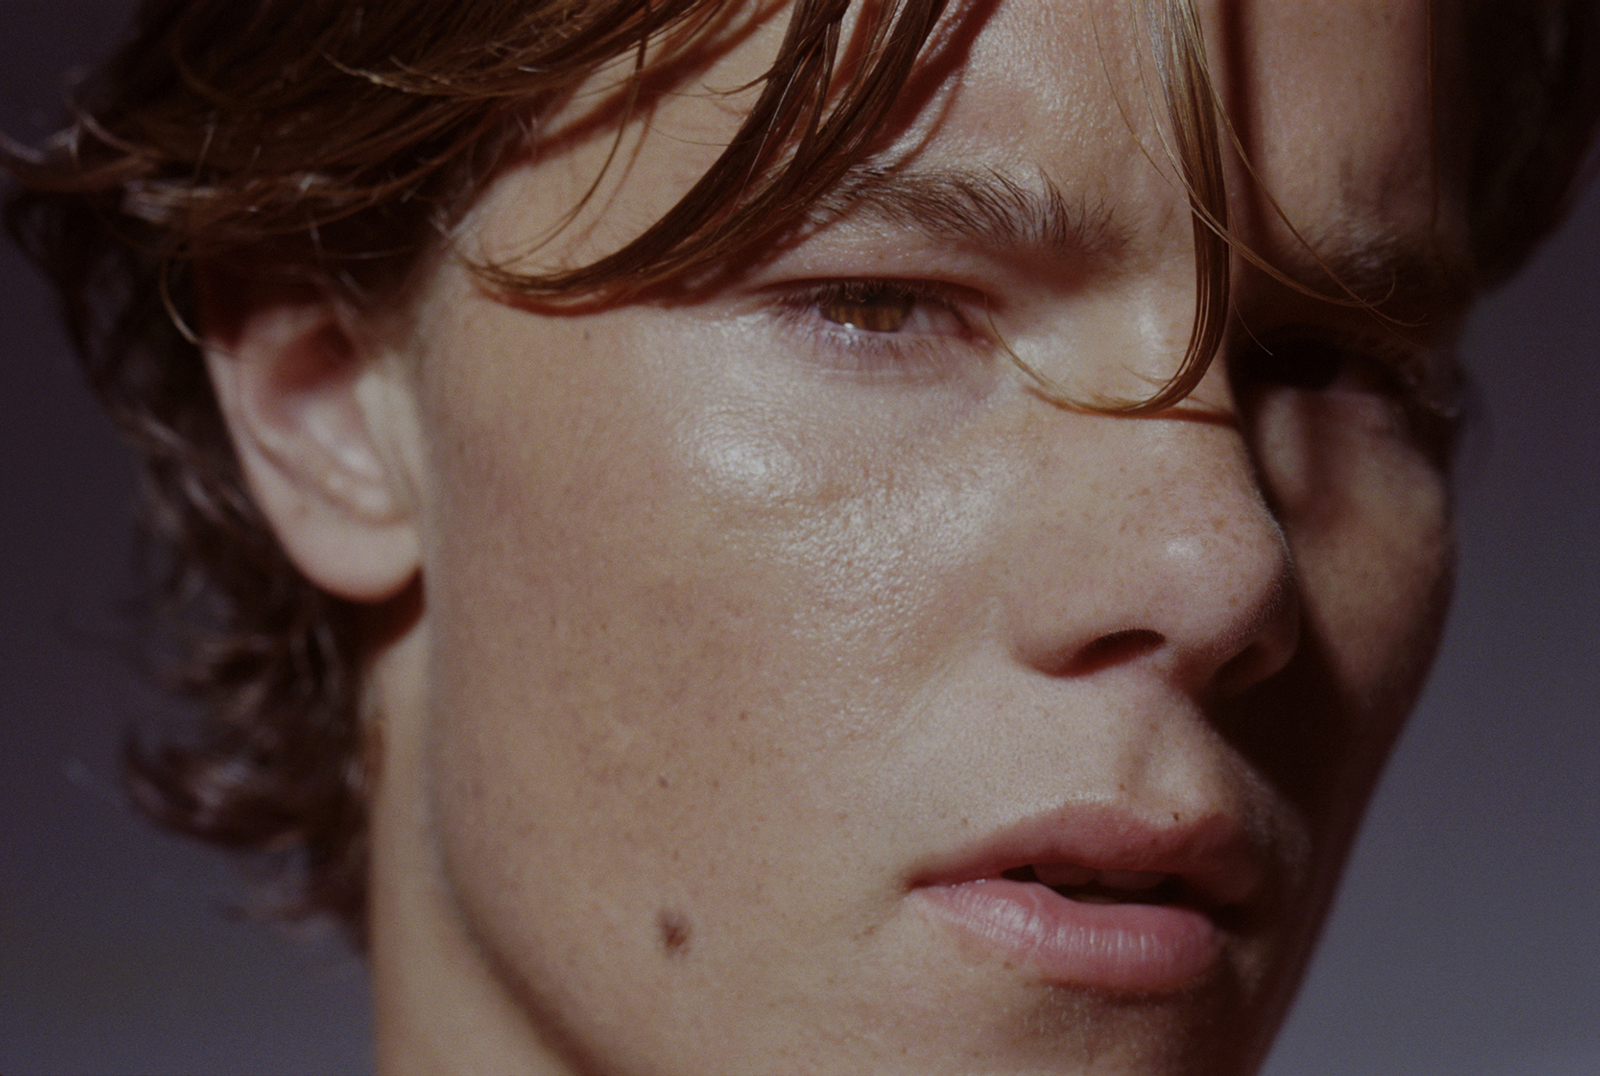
(1101, 898)
(1089, 886)
(1114, 930)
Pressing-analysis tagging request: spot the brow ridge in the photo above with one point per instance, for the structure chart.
(983, 206)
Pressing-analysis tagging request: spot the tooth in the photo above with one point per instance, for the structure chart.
(1131, 879)
(1064, 874)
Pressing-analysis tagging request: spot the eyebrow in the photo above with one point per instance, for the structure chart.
(982, 206)
(1383, 267)
(987, 207)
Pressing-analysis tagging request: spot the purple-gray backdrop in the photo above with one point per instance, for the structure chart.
(1464, 944)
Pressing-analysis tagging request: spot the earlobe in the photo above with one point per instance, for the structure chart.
(315, 420)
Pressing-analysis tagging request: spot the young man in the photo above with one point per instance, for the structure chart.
(819, 571)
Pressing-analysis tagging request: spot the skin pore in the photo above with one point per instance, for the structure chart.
(731, 632)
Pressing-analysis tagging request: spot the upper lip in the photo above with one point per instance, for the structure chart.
(1210, 859)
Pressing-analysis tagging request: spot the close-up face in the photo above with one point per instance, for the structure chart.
(799, 685)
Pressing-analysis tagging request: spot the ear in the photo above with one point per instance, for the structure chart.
(316, 417)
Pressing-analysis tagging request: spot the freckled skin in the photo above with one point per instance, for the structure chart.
(732, 622)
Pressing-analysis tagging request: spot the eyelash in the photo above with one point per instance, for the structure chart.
(905, 350)
(1428, 392)
(1429, 399)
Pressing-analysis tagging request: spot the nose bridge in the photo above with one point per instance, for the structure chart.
(1149, 542)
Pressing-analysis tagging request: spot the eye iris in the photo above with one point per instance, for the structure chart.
(1309, 364)
(878, 311)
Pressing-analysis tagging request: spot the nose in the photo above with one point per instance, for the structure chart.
(1147, 543)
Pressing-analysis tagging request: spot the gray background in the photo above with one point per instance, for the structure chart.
(1465, 942)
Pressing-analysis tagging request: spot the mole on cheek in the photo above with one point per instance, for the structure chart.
(674, 929)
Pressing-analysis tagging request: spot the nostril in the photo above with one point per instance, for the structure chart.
(1110, 649)
(1275, 640)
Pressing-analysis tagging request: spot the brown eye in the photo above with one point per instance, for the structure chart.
(873, 309)
(1311, 365)
(1397, 386)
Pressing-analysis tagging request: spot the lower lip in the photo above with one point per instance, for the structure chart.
(1123, 948)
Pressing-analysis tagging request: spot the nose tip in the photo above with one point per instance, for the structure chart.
(1182, 569)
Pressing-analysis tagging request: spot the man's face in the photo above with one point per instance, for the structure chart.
(800, 689)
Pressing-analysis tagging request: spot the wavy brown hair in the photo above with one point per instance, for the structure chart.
(341, 140)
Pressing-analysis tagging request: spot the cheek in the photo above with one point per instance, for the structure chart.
(672, 603)
(1368, 517)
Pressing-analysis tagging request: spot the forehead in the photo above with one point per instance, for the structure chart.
(1329, 105)
(1337, 103)
(1326, 114)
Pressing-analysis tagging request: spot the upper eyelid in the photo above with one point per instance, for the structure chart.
(1358, 339)
(916, 286)
(972, 307)
(1427, 372)
(1284, 314)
